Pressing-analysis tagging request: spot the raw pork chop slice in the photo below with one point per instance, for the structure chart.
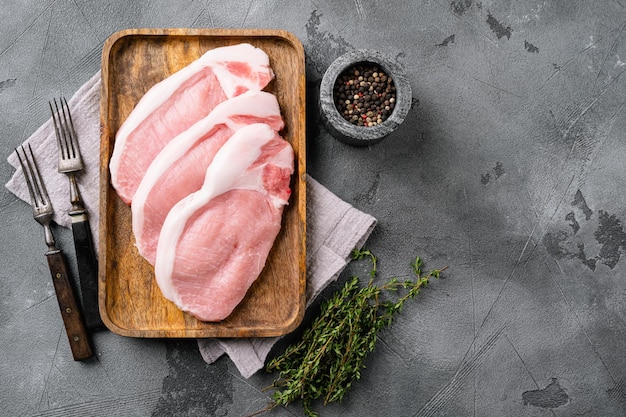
(214, 243)
(174, 104)
(180, 168)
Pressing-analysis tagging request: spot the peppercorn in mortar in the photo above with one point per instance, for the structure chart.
(364, 94)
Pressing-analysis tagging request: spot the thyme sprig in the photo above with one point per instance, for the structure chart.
(359, 254)
(331, 353)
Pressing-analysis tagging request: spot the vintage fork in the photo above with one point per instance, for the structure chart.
(70, 162)
(42, 212)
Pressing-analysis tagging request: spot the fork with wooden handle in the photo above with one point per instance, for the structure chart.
(42, 212)
(70, 162)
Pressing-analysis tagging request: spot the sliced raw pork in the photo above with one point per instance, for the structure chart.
(214, 243)
(180, 168)
(174, 104)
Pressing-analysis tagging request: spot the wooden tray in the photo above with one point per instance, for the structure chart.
(131, 303)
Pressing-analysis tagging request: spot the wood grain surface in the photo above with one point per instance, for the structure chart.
(131, 302)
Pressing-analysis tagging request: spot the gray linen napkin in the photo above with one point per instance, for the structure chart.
(334, 227)
(85, 109)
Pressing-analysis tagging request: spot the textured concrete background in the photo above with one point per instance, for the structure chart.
(509, 169)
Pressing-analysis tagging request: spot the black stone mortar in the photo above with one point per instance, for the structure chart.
(342, 129)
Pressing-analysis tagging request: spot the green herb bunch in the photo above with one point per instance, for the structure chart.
(331, 353)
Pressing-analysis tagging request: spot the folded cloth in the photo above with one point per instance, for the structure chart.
(334, 227)
(85, 110)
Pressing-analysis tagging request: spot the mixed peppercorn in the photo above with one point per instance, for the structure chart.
(364, 94)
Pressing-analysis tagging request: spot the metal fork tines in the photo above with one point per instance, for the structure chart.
(39, 199)
(70, 163)
(70, 160)
(42, 212)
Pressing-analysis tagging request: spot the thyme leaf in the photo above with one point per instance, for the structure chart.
(331, 353)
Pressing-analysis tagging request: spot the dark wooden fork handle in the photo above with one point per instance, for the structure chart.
(72, 317)
(87, 270)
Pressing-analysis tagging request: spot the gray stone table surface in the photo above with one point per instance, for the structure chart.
(509, 169)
